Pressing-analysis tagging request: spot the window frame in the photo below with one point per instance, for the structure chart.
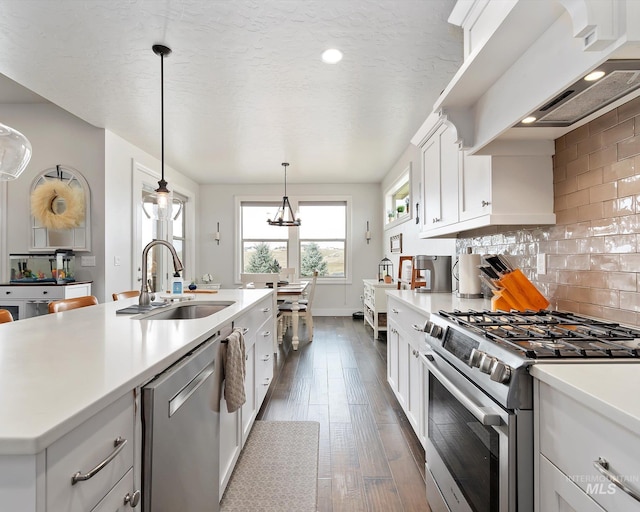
(294, 248)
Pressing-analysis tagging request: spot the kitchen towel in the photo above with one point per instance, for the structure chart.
(230, 368)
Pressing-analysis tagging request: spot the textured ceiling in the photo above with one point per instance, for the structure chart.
(245, 88)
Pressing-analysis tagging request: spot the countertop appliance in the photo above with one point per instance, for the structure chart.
(479, 448)
(181, 435)
(437, 273)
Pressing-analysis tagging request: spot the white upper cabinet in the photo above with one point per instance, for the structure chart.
(440, 157)
(462, 192)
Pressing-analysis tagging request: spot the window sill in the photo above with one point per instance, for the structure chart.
(398, 221)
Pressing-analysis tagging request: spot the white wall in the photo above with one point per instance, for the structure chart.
(412, 244)
(217, 205)
(56, 137)
(119, 159)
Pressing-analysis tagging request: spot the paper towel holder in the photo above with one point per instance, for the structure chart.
(456, 275)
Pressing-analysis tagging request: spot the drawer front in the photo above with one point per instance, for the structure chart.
(573, 437)
(409, 320)
(32, 292)
(82, 450)
(115, 500)
(252, 320)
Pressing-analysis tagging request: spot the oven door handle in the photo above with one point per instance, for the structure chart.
(485, 415)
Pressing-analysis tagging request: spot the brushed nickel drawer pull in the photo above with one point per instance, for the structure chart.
(132, 499)
(603, 466)
(118, 446)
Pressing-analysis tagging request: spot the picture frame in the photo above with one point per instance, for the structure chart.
(396, 243)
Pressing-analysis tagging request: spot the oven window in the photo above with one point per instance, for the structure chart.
(469, 449)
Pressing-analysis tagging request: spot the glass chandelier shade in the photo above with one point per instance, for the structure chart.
(15, 153)
(285, 216)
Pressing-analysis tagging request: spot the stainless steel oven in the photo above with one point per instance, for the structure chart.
(474, 447)
(479, 446)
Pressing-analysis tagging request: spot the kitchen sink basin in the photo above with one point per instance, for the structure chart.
(188, 311)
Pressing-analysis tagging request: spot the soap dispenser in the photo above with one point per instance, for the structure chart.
(176, 284)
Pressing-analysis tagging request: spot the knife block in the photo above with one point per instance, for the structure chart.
(518, 293)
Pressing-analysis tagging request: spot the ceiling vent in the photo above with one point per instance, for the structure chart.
(620, 77)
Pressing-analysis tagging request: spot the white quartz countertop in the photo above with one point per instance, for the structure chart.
(608, 388)
(57, 370)
(434, 302)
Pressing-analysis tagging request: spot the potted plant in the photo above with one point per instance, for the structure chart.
(400, 209)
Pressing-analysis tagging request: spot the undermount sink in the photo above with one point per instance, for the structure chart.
(188, 311)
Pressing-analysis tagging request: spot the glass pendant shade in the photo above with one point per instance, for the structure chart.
(15, 153)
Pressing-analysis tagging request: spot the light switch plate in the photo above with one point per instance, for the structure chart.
(542, 264)
(88, 261)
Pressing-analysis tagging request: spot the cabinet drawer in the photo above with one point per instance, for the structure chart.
(115, 500)
(264, 357)
(574, 436)
(252, 320)
(84, 448)
(408, 319)
(32, 292)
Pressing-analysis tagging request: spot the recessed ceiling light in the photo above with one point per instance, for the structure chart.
(528, 120)
(594, 75)
(331, 56)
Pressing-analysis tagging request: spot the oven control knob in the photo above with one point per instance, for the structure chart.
(428, 326)
(500, 372)
(486, 362)
(436, 332)
(475, 357)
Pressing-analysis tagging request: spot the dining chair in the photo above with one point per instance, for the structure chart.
(285, 311)
(288, 274)
(58, 306)
(125, 295)
(5, 316)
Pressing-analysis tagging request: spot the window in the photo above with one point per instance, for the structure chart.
(319, 243)
(397, 200)
(262, 244)
(323, 238)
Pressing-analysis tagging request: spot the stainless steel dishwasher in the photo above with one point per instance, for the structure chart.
(180, 468)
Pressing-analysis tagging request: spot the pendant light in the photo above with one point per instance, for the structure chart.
(162, 193)
(285, 216)
(15, 153)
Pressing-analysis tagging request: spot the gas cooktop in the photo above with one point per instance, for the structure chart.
(550, 334)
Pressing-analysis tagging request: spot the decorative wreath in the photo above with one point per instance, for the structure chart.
(43, 197)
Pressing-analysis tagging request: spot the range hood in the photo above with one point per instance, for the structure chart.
(595, 90)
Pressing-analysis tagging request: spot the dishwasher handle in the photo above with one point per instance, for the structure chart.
(183, 395)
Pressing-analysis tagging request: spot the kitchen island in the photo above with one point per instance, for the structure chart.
(57, 372)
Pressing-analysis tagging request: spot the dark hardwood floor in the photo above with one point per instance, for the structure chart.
(369, 458)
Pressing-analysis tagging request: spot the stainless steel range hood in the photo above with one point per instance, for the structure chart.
(584, 97)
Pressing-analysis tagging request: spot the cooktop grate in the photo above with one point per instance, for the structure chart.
(550, 334)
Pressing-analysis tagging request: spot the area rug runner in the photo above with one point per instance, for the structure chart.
(277, 469)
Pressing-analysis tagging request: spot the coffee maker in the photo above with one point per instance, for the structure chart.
(437, 273)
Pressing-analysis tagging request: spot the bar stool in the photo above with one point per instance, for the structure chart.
(125, 295)
(58, 306)
(5, 316)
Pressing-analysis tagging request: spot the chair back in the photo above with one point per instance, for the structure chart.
(259, 280)
(5, 316)
(288, 274)
(312, 291)
(58, 306)
(125, 295)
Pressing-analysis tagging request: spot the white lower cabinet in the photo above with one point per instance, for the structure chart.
(257, 325)
(121, 498)
(571, 438)
(26, 301)
(405, 372)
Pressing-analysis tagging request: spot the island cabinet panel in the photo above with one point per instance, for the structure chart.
(257, 327)
(83, 449)
(119, 498)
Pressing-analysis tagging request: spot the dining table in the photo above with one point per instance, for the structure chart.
(292, 292)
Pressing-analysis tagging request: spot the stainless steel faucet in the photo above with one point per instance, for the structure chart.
(177, 265)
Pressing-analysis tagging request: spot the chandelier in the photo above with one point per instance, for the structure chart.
(285, 216)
